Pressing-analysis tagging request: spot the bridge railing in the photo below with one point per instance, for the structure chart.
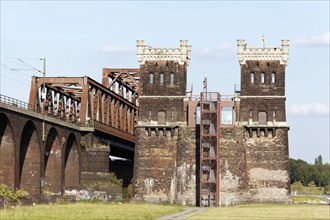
(18, 103)
(26, 106)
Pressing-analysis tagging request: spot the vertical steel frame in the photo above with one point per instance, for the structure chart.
(210, 111)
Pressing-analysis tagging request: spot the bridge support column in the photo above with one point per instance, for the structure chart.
(95, 154)
(95, 166)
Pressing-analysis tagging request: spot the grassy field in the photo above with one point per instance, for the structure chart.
(269, 212)
(84, 210)
(99, 210)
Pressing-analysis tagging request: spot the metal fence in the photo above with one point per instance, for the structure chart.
(18, 103)
(26, 106)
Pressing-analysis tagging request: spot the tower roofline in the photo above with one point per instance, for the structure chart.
(263, 53)
(148, 53)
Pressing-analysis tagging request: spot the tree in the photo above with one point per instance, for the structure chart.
(303, 172)
(318, 160)
(327, 188)
(311, 184)
(296, 187)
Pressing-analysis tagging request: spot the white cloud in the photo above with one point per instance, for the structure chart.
(316, 40)
(222, 50)
(115, 49)
(309, 109)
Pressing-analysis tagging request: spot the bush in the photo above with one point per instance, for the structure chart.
(11, 197)
(10, 194)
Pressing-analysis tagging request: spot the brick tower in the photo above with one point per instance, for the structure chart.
(254, 155)
(262, 114)
(164, 163)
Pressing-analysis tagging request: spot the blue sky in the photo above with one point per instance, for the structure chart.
(81, 37)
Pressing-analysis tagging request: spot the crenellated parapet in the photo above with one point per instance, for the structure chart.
(148, 53)
(266, 53)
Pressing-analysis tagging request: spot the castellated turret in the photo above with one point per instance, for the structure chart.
(254, 155)
(164, 163)
(170, 163)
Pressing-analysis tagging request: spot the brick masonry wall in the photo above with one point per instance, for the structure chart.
(165, 166)
(258, 88)
(253, 169)
(7, 154)
(173, 108)
(94, 154)
(267, 160)
(95, 161)
(233, 179)
(262, 104)
(166, 88)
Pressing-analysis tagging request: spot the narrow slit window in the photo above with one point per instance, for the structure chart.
(172, 78)
(252, 77)
(262, 77)
(273, 78)
(161, 79)
(151, 78)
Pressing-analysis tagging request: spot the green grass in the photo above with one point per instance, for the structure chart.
(305, 199)
(269, 212)
(85, 210)
(99, 210)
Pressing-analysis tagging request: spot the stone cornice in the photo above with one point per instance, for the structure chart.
(267, 53)
(148, 53)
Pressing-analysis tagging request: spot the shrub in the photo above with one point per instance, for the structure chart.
(10, 194)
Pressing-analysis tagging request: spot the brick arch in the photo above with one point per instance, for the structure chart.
(262, 106)
(7, 153)
(29, 160)
(53, 162)
(72, 163)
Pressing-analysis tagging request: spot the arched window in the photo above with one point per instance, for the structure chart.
(161, 78)
(151, 78)
(273, 78)
(262, 77)
(172, 78)
(252, 77)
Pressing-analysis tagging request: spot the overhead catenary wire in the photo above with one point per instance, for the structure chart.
(26, 76)
(30, 66)
(25, 63)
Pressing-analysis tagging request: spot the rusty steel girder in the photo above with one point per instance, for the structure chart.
(84, 101)
(124, 82)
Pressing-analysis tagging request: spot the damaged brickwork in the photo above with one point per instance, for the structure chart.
(165, 167)
(253, 169)
(253, 150)
(164, 163)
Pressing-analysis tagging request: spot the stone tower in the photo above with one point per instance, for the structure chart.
(164, 162)
(262, 114)
(254, 154)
